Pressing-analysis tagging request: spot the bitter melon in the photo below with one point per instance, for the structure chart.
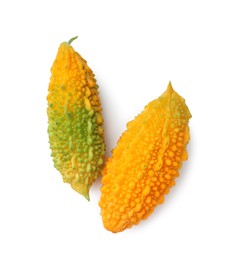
(145, 162)
(75, 120)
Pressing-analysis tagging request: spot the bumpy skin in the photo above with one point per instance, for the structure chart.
(75, 120)
(145, 162)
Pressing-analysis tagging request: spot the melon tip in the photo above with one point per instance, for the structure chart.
(170, 88)
(86, 195)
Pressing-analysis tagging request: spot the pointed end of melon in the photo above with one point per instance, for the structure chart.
(80, 188)
(86, 195)
(170, 88)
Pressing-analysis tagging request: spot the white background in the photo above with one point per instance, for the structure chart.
(134, 48)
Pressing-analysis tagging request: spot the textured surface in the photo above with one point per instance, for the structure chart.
(75, 120)
(145, 162)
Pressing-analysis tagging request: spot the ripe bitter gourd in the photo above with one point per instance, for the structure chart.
(145, 162)
(75, 120)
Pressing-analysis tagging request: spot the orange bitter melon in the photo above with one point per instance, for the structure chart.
(75, 120)
(145, 162)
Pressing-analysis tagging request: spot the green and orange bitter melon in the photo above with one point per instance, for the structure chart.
(145, 163)
(75, 120)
